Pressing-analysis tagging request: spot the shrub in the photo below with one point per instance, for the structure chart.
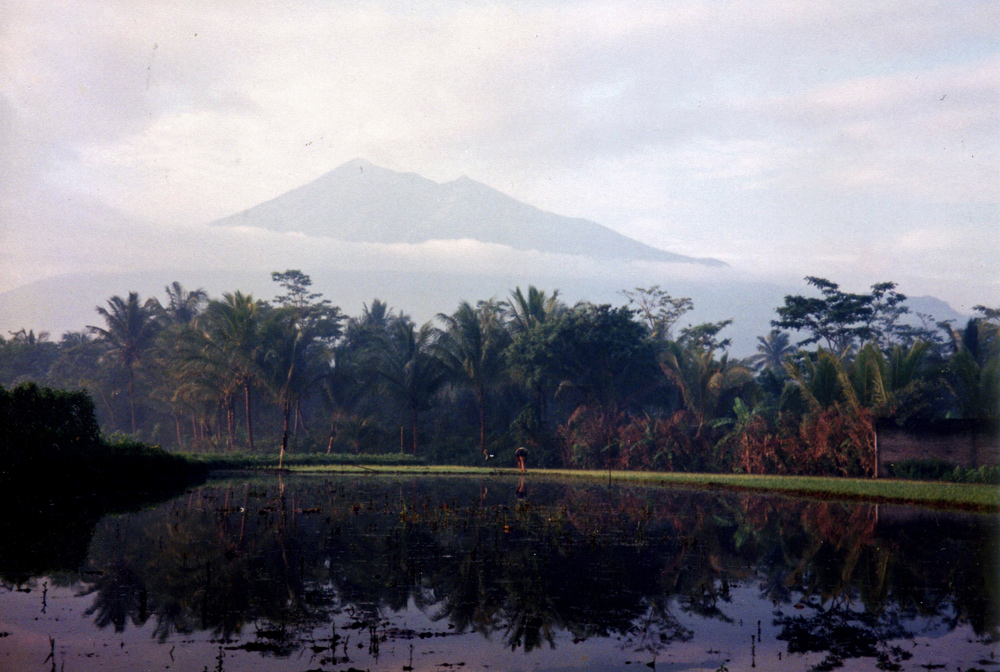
(939, 470)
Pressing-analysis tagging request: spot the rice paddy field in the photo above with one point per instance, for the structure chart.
(415, 568)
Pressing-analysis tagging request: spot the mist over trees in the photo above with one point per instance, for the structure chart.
(580, 385)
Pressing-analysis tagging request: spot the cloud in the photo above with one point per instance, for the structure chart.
(758, 133)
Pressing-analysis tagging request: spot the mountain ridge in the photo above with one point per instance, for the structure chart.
(362, 202)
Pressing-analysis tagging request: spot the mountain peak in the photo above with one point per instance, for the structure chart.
(362, 202)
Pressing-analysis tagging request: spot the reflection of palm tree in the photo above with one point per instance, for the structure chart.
(584, 561)
(129, 331)
(120, 597)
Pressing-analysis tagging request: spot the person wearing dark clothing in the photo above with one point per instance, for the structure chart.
(521, 454)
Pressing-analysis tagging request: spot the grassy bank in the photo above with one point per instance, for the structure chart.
(222, 461)
(925, 493)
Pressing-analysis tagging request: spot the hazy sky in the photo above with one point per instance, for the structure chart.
(854, 140)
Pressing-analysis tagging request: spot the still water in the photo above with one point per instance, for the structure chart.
(449, 574)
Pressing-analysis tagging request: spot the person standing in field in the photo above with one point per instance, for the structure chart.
(521, 454)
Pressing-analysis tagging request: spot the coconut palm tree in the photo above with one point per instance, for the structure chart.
(406, 362)
(183, 306)
(128, 332)
(527, 312)
(972, 372)
(471, 347)
(297, 357)
(835, 426)
(822, 381)
(880, 382)
(234, 344)
(707, 386)
(772, 350)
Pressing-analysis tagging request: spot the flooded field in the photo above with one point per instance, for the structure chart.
(462, 573)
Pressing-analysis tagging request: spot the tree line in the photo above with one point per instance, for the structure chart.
(582, 385)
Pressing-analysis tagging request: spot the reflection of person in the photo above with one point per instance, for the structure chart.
(521, 491)
(521, 454)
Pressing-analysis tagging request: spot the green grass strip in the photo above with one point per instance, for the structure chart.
(270, 461)
(925, 493)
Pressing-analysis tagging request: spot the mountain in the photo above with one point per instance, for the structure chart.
(361, 202)
(367, 207)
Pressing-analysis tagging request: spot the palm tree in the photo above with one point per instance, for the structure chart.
(880, 382)
(471, 347)
(345, 382)
(835, 425)
(823, 381)
(183, 306)
(706, 385)
(234, 344)
(772, 350)
(527, 312)
(973, 370)
(408, 365)
(129, 331)
(297, 356)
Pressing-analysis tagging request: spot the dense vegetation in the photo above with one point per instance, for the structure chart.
(51, 438)
(586, 385)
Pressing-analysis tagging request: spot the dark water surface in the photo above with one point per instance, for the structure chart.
(436, 573)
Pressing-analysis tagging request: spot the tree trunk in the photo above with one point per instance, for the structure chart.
(481, 399)
(131, 403)
(111, 410)
(300, 419)
(286, 411)
(246, 391)
(413, 425)
(177, 424)
(333, 434)
(231, 420)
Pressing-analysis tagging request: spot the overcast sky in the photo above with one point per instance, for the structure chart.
(853, 140)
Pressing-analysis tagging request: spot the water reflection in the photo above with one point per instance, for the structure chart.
(279, 567)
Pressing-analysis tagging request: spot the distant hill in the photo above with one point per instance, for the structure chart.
(361, 202)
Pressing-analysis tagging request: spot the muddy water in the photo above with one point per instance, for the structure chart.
(383, 573)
